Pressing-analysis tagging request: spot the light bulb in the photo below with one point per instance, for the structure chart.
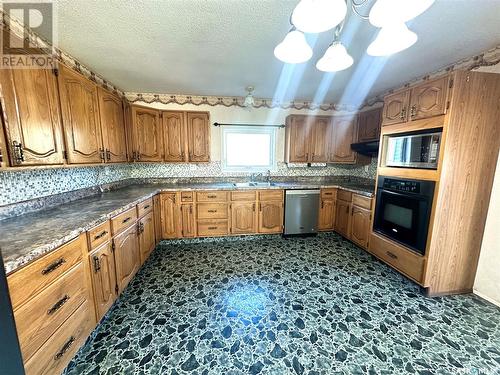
(316, 16)
(335, 59)
(392, 39)
(386, 12)
(294, 48)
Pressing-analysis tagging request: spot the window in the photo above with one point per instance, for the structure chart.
(249, 148)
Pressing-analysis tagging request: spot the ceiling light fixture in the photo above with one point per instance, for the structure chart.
(249, 99)
(294, 48)
(316, 16)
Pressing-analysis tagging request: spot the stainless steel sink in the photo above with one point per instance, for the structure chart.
(253, 184)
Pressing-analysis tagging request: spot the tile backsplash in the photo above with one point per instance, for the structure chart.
(18, 186)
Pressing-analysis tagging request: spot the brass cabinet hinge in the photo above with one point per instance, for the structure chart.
(448, 104)
(116, 288)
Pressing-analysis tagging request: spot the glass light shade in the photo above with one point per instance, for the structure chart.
(316, 16)
(335, 59)
(386, 12)
(294, 48)
(392, 39)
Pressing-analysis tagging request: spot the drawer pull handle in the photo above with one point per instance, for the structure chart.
(65, 348)
(58, 305)
(211, 196)
(126, 220)
(100, 235)
(58, 263)
(212, 228)
(212, 211)
(146, 207)
(393, 256)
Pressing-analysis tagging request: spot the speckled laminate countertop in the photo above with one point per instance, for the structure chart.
(26, 238)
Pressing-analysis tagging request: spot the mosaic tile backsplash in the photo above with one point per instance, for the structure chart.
(18, 186)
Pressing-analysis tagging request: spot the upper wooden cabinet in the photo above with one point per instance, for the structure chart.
(174, 135)
(425, 100)
(318, 144)
(198, 134)
(369, 125)
(147, 134)
(31, 117)
(80, 112)
(297, 139)
(343, 133)
(113, 126)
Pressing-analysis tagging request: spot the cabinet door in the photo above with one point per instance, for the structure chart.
(429, 99)
(127, 258)
(319, 139)
(103, 278)
(271, 217)
(326, 214)
(396, 108)
(343, 133)
(169, 215)
(369, 125)
(157, 215)
(188, 220)
(112, 126)
(147, 134)
(146, 236)
(173, 127)
(342, 217)
(360, 226)
(297, 139)
(198, 132)
(80, 113)
(243, 218)
(129, 131)
(32, 116)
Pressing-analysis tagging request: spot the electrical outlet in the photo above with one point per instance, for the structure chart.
(192, 167)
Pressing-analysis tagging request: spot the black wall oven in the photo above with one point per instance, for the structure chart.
(403, 210)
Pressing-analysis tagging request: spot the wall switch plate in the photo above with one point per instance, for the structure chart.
(192, 167)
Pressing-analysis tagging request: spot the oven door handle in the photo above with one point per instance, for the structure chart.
(408, 194)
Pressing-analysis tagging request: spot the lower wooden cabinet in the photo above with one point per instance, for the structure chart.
(157, 215)
(243, 217)
(169, 215)
(146, 227)
(327, 209)
(270, 217)
(342, 217)
(188, 222)
(103, 274)
(127, 258)
(360, 226)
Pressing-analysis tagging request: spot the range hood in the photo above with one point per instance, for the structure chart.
(369, 148)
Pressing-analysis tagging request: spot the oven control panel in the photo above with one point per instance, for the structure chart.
(402, 185)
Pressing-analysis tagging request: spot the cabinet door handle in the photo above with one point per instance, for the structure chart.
(413, 111)
(97, 263)
(403, 113)
(391, 255)
(190, 209)
(253, 207)
(18, 152)
(58, 305)
(260, 207)
(100, 235)
(108, 155)
(102, 153)
(53, 266)
(65, 348)
(322, 204)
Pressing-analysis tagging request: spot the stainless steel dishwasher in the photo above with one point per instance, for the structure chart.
(301, 211)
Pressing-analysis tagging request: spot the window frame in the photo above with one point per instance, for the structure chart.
(232, 129)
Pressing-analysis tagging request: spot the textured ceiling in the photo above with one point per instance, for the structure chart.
(218, 47)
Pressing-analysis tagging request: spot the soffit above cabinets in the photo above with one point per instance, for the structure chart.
(218, 47)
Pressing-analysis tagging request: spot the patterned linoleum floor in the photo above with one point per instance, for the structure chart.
(296, 306)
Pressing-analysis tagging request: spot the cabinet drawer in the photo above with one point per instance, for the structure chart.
(208, 228)
(211, 196)
(60, 348)
(32, 279)
(403, 260)
(243, 195)
(328, 194)
(145, 207)
(38, 319)
(362, 201)
(271, 195)
(212, 210)
(123, 220)
(344, 195)
(187, 196)
(99, 235)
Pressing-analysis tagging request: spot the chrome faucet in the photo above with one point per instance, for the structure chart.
(255, 176)
(268, 176)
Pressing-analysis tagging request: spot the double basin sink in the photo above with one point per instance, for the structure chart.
(253, 184)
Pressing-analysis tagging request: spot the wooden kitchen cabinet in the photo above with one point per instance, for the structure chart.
(103, 274)
(343, 133)
(360, 226)
(146, 236)
(127, 257)
(396, 108)
(243, 217)
(157, 216)
(369, 125)
(297, 139)
(188, 222)
(174, 138)
(319, 139)
(327, 209)
(146, 134)
(31, 117)
(113, 126)
(198, 135)
(429, 98)
(169, 215)
(270, 219)
(342, 217)
(80, 113)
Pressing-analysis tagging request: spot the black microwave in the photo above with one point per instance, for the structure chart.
(412, 150)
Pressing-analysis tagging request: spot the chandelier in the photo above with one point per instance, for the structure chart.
(317, 16)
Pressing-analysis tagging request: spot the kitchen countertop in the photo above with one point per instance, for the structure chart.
(26, 238)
